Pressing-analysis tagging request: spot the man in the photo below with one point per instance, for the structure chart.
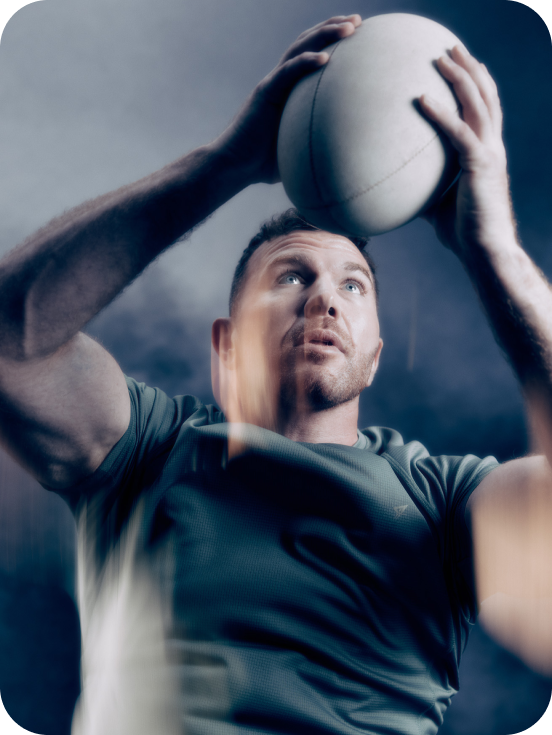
(279, 571)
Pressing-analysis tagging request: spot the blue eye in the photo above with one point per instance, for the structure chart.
(291, 278)
(352, 287)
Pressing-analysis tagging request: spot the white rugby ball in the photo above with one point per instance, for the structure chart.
(355, 153)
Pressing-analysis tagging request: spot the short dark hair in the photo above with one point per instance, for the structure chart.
(278, 226)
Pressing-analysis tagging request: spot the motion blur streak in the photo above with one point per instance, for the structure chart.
(513, 548)
(243, 387)
(128, 684)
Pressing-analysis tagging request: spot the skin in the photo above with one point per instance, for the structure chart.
(297, 284)
(63, 399)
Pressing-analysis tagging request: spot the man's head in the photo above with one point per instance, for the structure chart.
(303, 331)
(280, 225)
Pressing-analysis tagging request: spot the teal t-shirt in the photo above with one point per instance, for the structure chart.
(329, 588)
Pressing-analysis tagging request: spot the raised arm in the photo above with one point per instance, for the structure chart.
(63, 399)
(476, 221)
(512, 508)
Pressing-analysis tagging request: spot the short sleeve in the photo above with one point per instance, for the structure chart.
(441, 487)
(453, 480)
(155, 420)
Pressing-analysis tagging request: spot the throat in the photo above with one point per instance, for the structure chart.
(335, 425)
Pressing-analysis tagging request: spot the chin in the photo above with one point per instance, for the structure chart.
(321, 390)
(322, 396)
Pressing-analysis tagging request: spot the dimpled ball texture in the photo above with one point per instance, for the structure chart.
(356, 154)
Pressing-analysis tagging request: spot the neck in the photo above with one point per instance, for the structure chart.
(336, 425)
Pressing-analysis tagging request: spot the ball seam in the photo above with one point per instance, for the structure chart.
(311, 127)
(372, 186)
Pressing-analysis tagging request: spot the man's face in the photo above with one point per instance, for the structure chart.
(307, 313)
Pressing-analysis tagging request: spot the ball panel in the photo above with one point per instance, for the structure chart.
(365, 130)
(324, 218)
(400, 198)
(354, 140)
(294, 162)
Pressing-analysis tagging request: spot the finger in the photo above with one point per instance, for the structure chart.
(279, 83)
(477, 71)
(492, 82)
(474, 110)
(485, 83)
(355, 19)
(460, 134)
(319, 39)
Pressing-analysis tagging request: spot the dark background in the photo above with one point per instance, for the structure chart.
(96, 94)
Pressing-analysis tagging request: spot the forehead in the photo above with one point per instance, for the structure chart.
(318, 247)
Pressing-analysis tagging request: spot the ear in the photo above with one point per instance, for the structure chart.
(375, 363)
(221, 341)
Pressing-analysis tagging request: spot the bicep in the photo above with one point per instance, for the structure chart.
(511, 520)
(61, 415)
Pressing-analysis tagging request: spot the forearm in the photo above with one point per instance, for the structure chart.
(64, 274)
(475, 220)
(518, 302)
(53, 284)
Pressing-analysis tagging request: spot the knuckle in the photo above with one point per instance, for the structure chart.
(473, 64)
(455, 73)
(466, 136)
(303, 58)
(335, 29)
(328, 30)
(264, 85)
(336, 19)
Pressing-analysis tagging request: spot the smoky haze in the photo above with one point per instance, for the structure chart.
(96, 94)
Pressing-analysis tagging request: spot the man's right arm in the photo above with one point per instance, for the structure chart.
(63, 399)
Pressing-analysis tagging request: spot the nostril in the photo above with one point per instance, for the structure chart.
(331, 311)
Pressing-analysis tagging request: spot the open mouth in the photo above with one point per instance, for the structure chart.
(323, 338)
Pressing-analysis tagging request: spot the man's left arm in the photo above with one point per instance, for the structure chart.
(476, 221)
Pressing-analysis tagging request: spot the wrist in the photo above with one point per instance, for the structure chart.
(208, 176)
(491, 239)
(487, 224)
(503, 262)
(231, 164)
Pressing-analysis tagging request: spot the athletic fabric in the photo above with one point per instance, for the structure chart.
(313, 588)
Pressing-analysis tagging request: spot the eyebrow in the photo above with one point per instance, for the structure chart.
(351, 266)
(292, 260)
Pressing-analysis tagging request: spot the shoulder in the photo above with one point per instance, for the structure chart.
(414, 455)
(153, 408)
(438, 481)
(156, 421)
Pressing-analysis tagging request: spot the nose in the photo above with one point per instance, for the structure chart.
(320, 303)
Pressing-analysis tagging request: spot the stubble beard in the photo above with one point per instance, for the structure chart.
(312, 387)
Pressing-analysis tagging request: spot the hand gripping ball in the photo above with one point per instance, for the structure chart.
(356, 155)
